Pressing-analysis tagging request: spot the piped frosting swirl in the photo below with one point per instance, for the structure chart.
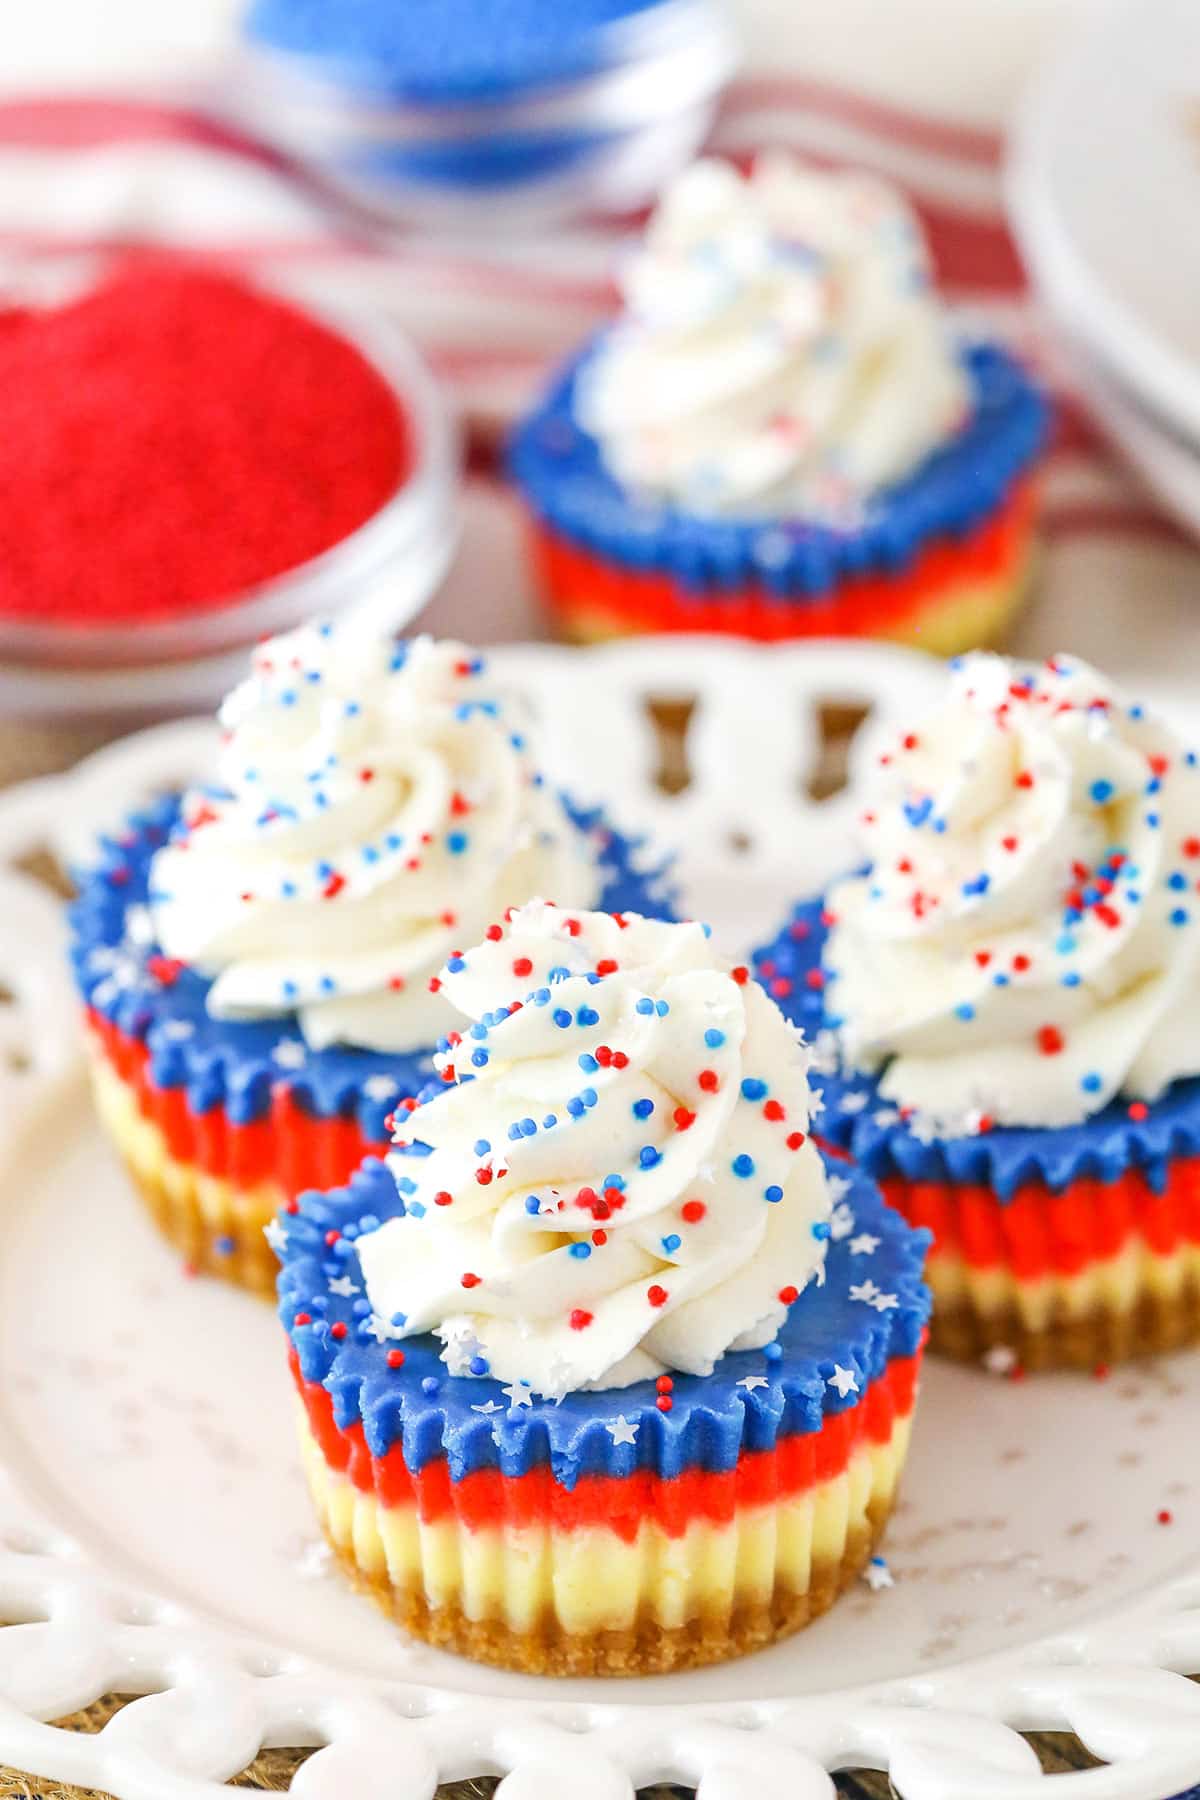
(1025, 944)
(616, 1180)
(782, 352)
(375, 803)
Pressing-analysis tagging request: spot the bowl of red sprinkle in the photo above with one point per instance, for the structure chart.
(191, 461)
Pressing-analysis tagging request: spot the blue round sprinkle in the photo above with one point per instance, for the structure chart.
(588, 1063)
(1180, 915)
(965, 1011)
(1091, 1083)
(648, 1156)
(641, 1109)
(753, 1088)
(1101, 791)
(430, 1384)
(562, 1018)
(774, 1193)
(821, 1230)
(581, 1251)
(479, 1365)
(482, 1146)
(587, 1015)
(533, 1205)
(714, 1038)
(644, 1005)
(479, 1059)
(671, 1243)
(743, 1165)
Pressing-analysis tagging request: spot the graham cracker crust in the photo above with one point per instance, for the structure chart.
(1150, 1328)
(647, 1649)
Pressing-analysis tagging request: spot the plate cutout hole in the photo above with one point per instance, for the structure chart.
(42, 866)
(671, 717)
(16, 1060)
(740, 842)
(837, 722)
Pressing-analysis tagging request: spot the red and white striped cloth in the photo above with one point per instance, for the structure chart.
(79, 176)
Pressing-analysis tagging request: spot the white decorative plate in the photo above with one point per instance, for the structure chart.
(155, 1537)
(1105, 194)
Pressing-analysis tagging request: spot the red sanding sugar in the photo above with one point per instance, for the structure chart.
(175, 437)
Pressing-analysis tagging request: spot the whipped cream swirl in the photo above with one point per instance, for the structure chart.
(616, 1180)
(782, 353)
(1025, 945)
(375, 804)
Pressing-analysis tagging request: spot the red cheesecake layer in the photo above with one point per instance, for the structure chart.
(575, 579)
(286, 1145)
(486, 1497)
(1039, 1233)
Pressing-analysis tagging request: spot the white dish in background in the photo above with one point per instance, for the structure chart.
(156, 1539)
(1104, 187)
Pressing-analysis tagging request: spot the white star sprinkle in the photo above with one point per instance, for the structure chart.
(488, 1406)
(885, 1302)
(841, 1222)
(274, 1234)
(139, 925)
(290, 1054)
(852, 1103)
(864, 1244)
(877, 1575)
(621, 1431)
(380, 1330)
(379, 1087)
(178, 1030)
(844, 1380)
(865, 1291)
(518, 1395)
(343, 1287)
(750, 1382)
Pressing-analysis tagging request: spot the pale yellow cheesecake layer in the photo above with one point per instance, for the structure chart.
(216, 1225)
(585, 1600)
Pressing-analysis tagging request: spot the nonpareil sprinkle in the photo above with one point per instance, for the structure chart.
(175, 437)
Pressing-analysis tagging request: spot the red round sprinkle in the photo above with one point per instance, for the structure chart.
(709, 1080)
(522, 966)
(1165, 1516)
(606, 966)
(332, 1236)
(788, 1294)
(469, 1280)
(620, 1060)
(683, 1118)
(693, 1211)
(910, 740)
(1009, 843)
(815, 979)
(579, 1319)
(365, 775)
(600, 1238)
(291, 1206)
(664, 1403)
(1020, 963)
(396, 983)
(798, 929)
(493, 934)
(665, 1383)
(741, 974)
(395, 1359)
(1101, 1372)
(442, 1198)
(1191, 846)
(1050, 1040)
(781, 987)
(657, 1296)
(484, 1176)
(983, 958)
(795, 1140)
(435, 984)
(338, 1330)
(302, 1318)
(773, 1110)
(1024, 779)
(1138, 1110)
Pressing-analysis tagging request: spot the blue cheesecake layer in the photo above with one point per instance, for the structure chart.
(237, 1063)
(445, 53)
(857, 1117)
(472, 1421)
(559, 468)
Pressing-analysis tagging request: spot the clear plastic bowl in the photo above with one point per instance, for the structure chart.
(386, 569)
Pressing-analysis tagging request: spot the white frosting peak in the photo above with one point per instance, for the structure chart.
(1026, 942)
(782, 352)
(374, 805)
(616, 1180)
